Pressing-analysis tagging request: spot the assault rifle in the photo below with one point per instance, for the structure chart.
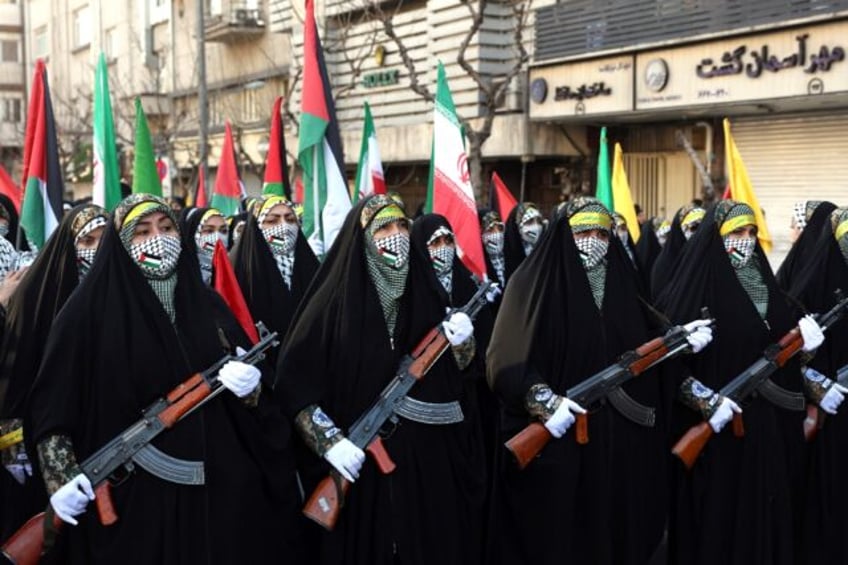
(328, 498)
(756, 378)
(527, 443)
(815, 415)
(112, 463)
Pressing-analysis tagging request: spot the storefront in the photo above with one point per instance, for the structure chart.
(786, 92)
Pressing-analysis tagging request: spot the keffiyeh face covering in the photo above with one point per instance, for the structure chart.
(157, 256)
(281, 238)
(85, 259)
(740, 249)
(531, 226)
(592, 250)
(494, 242)
(393, 250)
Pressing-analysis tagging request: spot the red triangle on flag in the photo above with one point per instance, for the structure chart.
(225, 283)
(501, 199)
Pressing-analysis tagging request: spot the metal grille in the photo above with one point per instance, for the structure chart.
(576, 27)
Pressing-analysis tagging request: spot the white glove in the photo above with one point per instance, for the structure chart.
(811, 333)
(72, 498)
(240, 378)
(833, 398)
(700, 334)
(493, 292)
(458, 328)
(346, 458)
(20, 467)
(562, 419)
(724, 414)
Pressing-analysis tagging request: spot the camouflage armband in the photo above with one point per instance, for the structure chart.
(317, 429)
(816, 385)
(464, 352)
(58, 463)
(698, 397)
(541, 402)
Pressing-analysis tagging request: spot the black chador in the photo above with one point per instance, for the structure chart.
(142, 322)
(566, 315)
(735, 505)
(684, 224)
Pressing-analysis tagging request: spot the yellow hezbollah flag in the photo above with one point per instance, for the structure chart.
(621, 197)
(740, 185)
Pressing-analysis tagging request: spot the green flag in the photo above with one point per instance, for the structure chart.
(106, 191)
(603, 191)
(145, 175)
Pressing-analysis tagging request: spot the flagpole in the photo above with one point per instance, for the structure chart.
(202, 96)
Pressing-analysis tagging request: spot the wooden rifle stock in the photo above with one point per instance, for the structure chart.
(813, 422)
(692, 443)
(326, 502)
(527, 443)
(25, 547)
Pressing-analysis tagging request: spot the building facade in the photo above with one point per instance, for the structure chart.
(12, 84)
(653, 70)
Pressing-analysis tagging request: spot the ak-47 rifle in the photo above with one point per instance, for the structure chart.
(756, 378)
(815, 415)
(132, 446)
(527, 443)
(328, 498)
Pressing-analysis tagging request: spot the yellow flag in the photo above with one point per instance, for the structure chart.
(741, 189)
(621, 197)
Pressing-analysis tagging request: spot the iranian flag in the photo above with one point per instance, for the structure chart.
(228, 187)
(42, 174)
(106, 190)
(450, 193)
(145, 173)
(369, 172)
(326, 201)
(276, 171)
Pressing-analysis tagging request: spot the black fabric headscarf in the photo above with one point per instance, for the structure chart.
(513, 244)
(14, 221)
(113, 351)
(549, 330)
(265, 291)
(42, 292)
(805, 247)
(648, 249)
(736, 485)
(666, 261)
(234, 221)
(826, 512)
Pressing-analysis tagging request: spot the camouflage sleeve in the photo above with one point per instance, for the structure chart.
(58, 463)
(252, 399)
(541, 402)
(464, 352)
(317, 429)
(698, 397)
(816, 384)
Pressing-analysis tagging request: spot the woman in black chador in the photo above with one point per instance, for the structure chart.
(522, 233)
(142, 322)
(686, 222)
(273, 263)
(46, 286)
(201, 229)
(826, 270)
(735, 505)
(570, 311)
(809, 219)
(344, 346)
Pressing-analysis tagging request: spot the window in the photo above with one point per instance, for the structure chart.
(40, 47)
(11, 51)
(110, 40)
(11, 109)
(82, 27)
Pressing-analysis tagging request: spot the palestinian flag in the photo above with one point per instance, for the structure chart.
(145, 173)
(150, 261)
(200, 199)
(369, 172)
(106, 191)
(276, 171)
(226, 284)
(501, 199)
(450, 191)
(326, 200)
(42, 175)
(10, 189)
(228, 187)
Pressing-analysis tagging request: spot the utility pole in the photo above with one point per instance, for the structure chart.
(202, 95)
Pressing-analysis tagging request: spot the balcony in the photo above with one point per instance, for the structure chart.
(234, 21)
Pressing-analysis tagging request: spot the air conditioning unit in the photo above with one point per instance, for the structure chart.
(247, 17)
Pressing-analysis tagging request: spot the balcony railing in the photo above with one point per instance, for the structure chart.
(237, 21)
